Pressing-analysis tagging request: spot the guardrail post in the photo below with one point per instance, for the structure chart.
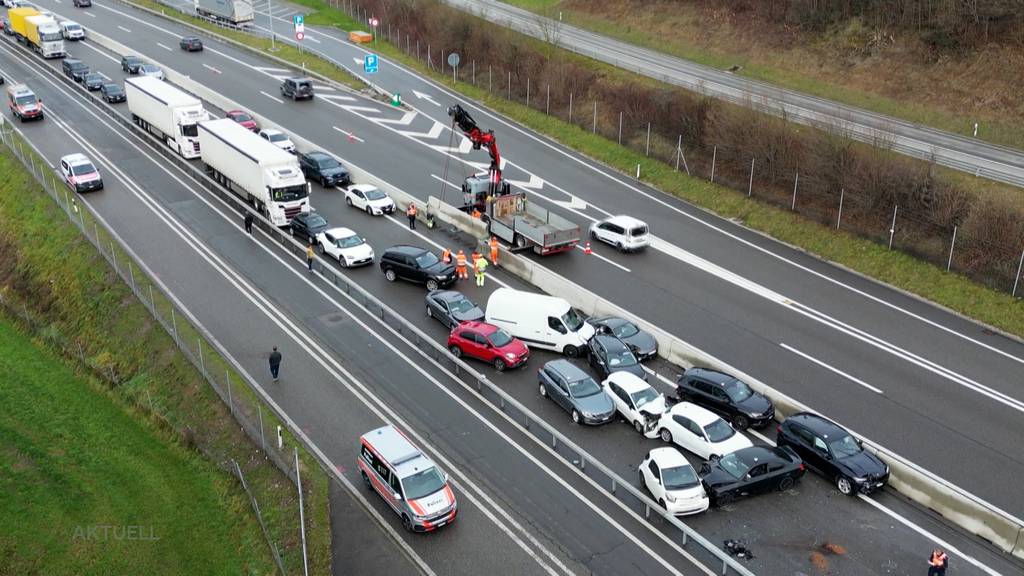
(647, 511)
(554, 441)
(614, 486)
(583, 461)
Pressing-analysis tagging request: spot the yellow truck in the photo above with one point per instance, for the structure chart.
(38, 32)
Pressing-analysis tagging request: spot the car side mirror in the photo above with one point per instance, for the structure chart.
(396, 495)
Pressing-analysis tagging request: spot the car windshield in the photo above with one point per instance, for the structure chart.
(149, 68)
(315, 221)
(426, 260)
(73, 27)
(374, 194)
(422, 484)
(733, 465)
(112, 88)
(644, 397)
(572, 320)
(461, 305)
(737, 390)
(25, 100)
(623, 329)
(79, 169)
(719, 431)
(94, 76)
(348, 241)
(845, 446)
(277, 137)
(679, 478)
(327, 162)
(132, 61)
(289, 193)
(500, 338)
(620, 358)
(583, 388)
(241, 118)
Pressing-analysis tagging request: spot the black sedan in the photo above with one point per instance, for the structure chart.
(306, 225)
(452, 308)
(828, 448)
(191, 44)
(323, 168)
(730, 397)
(643, 345)
(93, 81)
(750, 471)
(608, 354)
(112, 93)
(131, 64)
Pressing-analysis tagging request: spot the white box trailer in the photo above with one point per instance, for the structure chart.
(167, 112)
(264, 175)
(236, 12)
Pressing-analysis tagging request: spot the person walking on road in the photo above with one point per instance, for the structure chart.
(410, 213)
(479, 267)
(248, 222)
(937, 563)
(309, 257)
(494, 250)
(460, 265)
(275, 363)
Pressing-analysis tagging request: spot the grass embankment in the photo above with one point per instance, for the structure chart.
(870, 69)
(81, 308)
(90, 488)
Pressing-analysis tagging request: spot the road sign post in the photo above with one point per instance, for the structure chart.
(374, 23)
(453, 61)
(300, 27)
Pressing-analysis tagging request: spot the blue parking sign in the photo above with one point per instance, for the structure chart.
(297, 20)
(370, 64)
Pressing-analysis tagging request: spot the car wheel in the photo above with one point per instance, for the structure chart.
(666, 436)
(407, 522)
(366, 480)
(543, 390)
(432, 285)
(322, 251)
(620, 247)
(661, 502)
(390, 275)
(741, 422)
(456, 351)
(369, 211)
(348, 201)
(575, 416)
(844, 486)
(725, 498)
(638, 426)
(786, 483)
(310, 239)
(430, 313)
(571, 351)
(499, 364)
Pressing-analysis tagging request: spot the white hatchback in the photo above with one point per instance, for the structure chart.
(369, 198)
(624, 232)
(345, 245)
(698, 430)
(278, 138)
(671, 480)
(634, 398)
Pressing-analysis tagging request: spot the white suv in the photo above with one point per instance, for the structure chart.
(72, 30)
(624, 232)
(80, 174)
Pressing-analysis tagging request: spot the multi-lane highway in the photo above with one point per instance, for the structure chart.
(959, 152)
(337, 358)
(926, 384)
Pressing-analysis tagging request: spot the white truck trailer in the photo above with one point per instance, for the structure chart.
(264, 175)
(236, 12)
(166, 112)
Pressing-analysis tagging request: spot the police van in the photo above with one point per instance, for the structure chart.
(406, 479)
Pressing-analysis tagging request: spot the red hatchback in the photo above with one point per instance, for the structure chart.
(489, 343)
(244, 119)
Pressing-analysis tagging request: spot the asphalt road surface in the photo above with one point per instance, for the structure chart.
(342, 377)
(959, 152)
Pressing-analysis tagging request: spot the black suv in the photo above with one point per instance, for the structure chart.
(726, 395)
(297, 88)
(93, 81)
(74, 69)
(834, 452)
(113, 93)
(131, 64)
(416, 265)
(608, 354)
(191, 44)
(307, 225)
(82, 3)
(323, 168)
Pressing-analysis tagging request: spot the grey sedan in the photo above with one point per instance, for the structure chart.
(642, 344)
(452, 308)
(576, 392)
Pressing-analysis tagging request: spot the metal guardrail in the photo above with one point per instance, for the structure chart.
(604, 477)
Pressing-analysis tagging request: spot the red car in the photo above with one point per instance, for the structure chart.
(489, 343)
(244, 119)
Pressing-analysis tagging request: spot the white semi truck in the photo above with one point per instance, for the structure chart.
(236, 12)
(264, 175)
(166, 112)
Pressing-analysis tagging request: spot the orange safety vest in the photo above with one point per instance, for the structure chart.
(494, 244)
(938, 560)
(460, 260)
(411, 210)
(476, 214)
(446, 256)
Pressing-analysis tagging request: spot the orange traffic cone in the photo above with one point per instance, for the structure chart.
(586, 248)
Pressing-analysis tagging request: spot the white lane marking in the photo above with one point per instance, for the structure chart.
(124, 29)
(279, 70)
(405, 120)
(165, 47)
(212, 69)
(89, 14)
(306, 342)
(340, 97)
(349, 134)
(434, 132)
(274, 98)
(606, 259)
(311, 39)
(853, 379)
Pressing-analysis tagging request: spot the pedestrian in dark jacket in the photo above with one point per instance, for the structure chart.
(248, 222)
(275, 363)
(937, 563)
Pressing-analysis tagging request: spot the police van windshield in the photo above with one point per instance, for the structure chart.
(290, 193)
(422, 484)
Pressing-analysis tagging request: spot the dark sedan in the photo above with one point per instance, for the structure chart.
(749, 471)
(323, 168)
(191, 44)
(306, 225)
(643, 345)
(452, 308)
(834, 452)
(608, 354)
(728, 396)
(131, 64)
(112, 93)
(93, 81)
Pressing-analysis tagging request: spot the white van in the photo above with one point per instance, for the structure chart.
(539, 320)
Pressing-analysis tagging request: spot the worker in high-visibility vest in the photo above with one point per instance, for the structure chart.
(494, 250)
(937, 563)
(410, 213)
(479, 266)
(460, 265)
(446, 256)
